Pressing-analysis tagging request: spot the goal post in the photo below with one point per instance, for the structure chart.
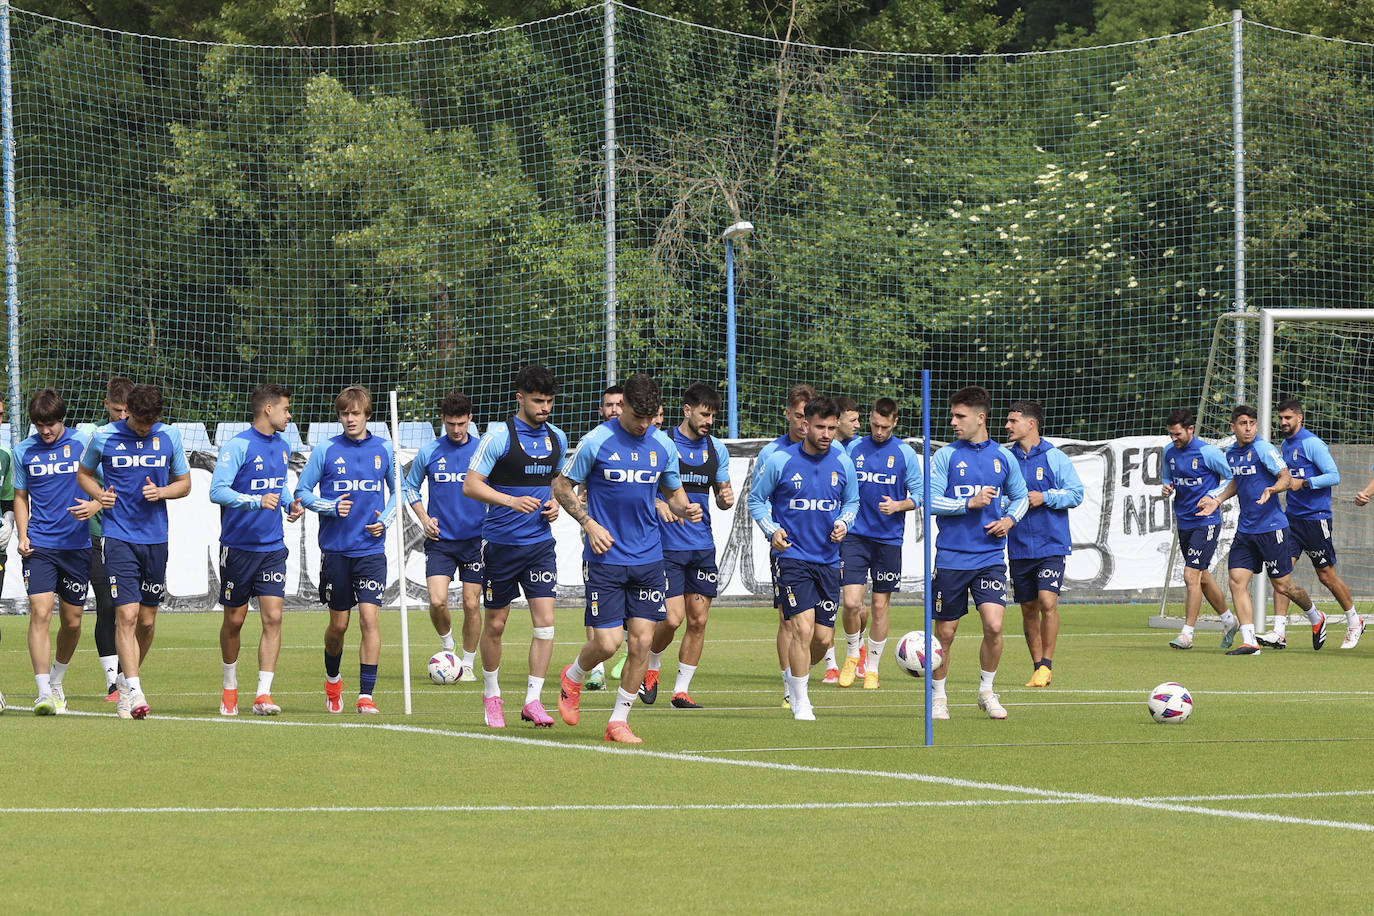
(1324, 357)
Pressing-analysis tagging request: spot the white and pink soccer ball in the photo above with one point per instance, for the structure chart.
(1170, 702)
(911, 653)
(444, 668)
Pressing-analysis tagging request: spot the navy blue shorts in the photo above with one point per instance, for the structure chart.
(349, 581)
(861, 557)
(1031, 577)
(690, 572)
(244, 574)
(805, 586)
(510, 569)
(1313, 537)
(616, 593)
(62, 572)
(137, 572)
(444, 558)
(953, 587)
(1198, 546)
(1266, 552)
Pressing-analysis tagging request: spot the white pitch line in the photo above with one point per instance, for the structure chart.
(924, 778)
(1263, 796)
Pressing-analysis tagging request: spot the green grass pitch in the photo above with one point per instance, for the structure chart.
(1078, 802)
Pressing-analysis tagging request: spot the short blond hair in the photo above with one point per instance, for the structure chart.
(354, 397)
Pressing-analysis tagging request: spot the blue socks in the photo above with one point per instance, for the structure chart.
(367, 679)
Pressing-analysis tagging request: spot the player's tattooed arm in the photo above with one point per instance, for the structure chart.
(566, 494)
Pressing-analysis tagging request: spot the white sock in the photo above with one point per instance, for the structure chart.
(599, 669)
(1247, 634)
(875, 654)
(44, 685)
(469, 659)
(1351, 618)
(684, 678)
(830, 658)
(533, 688)
(985, 680)
(1228, 620)
(59, 671)
(135, 685)
(265, 682)
(623, 702)
(333, 679)
(655, 661)
(111, 665)
(937, 688)
(576, 674)
(1185, 631)
(787, 683)
(1281, 624)
(231, 675)
(852, 642)
(801, 698)
(490, 685)
(447, 641)
(1314, 616)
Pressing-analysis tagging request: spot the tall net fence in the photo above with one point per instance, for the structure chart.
(432, 215)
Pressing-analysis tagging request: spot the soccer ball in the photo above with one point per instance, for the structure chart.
(911, 653)
(444, 668)
(1170, 702)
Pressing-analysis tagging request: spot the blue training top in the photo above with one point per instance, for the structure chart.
(48, 474)
(128, 461)
(957, 472)
(1310, 460)
(892, 470)
(444, 463)
(1199, 469)
(1044, 530)
(702, 463)
(250, 466)
(805, 495)
(1257, 466)
(358, 469)
(520, 466)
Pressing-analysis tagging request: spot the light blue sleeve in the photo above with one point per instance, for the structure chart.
(310, 478)
(722, 461)
(1214, 459)
(850, 510)
(222, 490)
(766, 477)
(561, 436)
(578, 465)
(21, 477)
(491, 448)
(940, 504)
(1320, 455)
(389, 510)
(913, 472)
(1015, 487)
(415, 477)
(1270, 457)
(90, 458)
(1069, 493)
(672, 470)
(180, 467)
(1165, 473)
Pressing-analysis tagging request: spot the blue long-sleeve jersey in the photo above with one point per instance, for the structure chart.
(48, 474)
(1309, 459)
(1257, 466)
(127, 461)
(957, 472)
(250, 466)
(444, 463)
(362, 470)
(1044, 530)
(702, 463)
(892, 470)
(805, 495)
(623, 474)
(1198, 469)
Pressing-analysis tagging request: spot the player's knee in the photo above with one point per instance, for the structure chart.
(544, 633)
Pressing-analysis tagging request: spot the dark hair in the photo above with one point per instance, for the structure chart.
(536, 379)
(843, 403)
(145, 403)
(1180, 416)
(268, 393)
(354, 396)
(1030, 409)
(455, 404)
(700, 394)
(821, 407)
(974, 396)
(1244, 410)
(642, 397)
(885, 407)
(800, 393)
(46, 407)
(612, 389)
(117, 389)
(1292, 404)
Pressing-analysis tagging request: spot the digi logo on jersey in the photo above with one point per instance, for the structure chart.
(886, 480)
(366, 486)
(448, 476)
(138, 461)
(270, 483)
(813, 505)
(965, 491)
(1188, 481)
(1245, 470)
(630, 475)
(47, 470)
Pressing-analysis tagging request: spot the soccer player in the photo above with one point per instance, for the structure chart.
(969, 478)
(1313, 473)
(351, 470)
(250, 484)
(1038, 544)
(1259, 475)
(689, 548)
(452, 526)
(1194, 469)
(512, 471)
(889, 478)
(848, 430)
(805, 498)
(53, 542)
(143, 464)
(116, 408)
(612, 405)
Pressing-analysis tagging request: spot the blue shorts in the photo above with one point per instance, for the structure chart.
(1198, 546)
(953, 587)
(690, 572)
(1312, 536)
(1266, 552)
(244, 574)
(1031, 577)
(349, 581)
(444, 558)
(861, 557)
(135, 571)
(510, 569)
(62, 572)
(805, 586)
(616, 593)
